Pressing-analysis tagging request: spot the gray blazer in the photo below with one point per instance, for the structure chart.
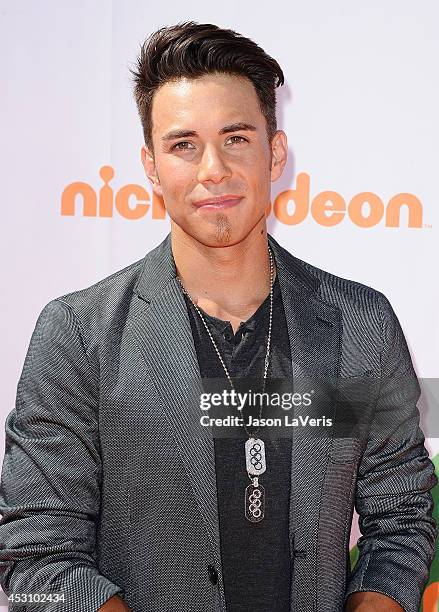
(106, 489)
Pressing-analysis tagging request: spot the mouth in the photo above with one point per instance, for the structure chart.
(218, 203)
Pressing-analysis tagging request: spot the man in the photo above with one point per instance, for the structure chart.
(110, 499)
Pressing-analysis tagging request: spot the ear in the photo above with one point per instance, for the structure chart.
(279, 154)
(150, 170)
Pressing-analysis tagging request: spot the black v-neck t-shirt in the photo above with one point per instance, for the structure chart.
(256, 557)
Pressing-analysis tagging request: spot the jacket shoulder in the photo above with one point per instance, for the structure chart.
(342, 292)
(331, 288)
(101, 309)
(366, 316)
(106, 290)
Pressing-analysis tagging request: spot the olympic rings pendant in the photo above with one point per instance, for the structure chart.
(255, 493)
(254, 502)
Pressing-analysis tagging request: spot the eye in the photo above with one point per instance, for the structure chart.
(241, 139)
(177, 146)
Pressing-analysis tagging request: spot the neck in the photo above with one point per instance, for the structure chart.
(226, 282)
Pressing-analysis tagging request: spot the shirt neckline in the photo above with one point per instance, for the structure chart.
(251, 322)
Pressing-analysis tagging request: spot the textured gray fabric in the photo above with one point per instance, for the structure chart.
(105, 487)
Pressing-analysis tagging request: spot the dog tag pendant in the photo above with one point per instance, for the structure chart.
(255, 493)
(255, 502)
(255, 456)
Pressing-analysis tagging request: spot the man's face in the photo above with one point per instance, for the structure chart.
(210, 140)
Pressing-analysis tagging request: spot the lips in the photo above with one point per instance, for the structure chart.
(219, 202)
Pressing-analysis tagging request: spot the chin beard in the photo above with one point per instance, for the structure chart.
(223, 229)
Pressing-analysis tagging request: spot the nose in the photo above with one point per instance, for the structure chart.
(212, 166)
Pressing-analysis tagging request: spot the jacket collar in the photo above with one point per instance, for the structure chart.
(159, 269)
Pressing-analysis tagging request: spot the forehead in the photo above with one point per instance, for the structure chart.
(211, 99)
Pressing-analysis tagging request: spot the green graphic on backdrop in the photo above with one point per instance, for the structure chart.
(434, 570)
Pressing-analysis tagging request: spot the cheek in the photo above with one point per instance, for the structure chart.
(176, 178)
(256, 162)
(258, 173)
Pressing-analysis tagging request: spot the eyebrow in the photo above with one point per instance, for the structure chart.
(240, 126)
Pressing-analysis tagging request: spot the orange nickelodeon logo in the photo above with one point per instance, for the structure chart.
(131, 201)
(327, 208)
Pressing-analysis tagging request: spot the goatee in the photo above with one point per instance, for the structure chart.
(223, 229)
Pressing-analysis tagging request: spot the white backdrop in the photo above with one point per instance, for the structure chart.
(359, 108)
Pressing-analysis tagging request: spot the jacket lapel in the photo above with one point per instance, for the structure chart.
(314, 329)
(163, 330)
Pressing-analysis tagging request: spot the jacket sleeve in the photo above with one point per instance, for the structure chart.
(50, 489)
(395, 476)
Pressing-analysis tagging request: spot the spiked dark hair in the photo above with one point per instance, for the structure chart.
(190, 49)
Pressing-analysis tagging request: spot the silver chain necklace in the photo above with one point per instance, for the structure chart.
(255, 460)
